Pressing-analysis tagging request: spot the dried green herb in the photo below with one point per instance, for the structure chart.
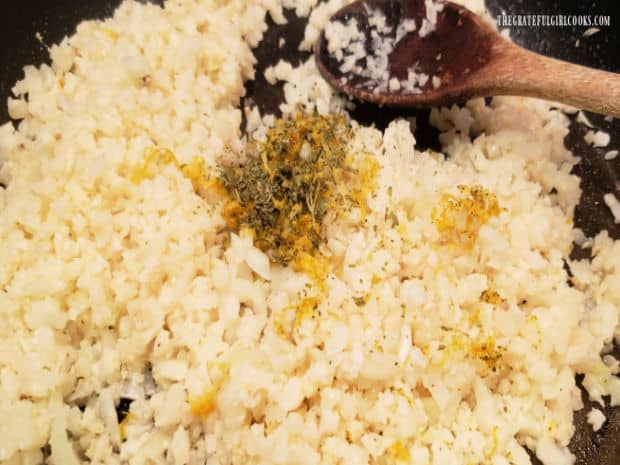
(288, 183)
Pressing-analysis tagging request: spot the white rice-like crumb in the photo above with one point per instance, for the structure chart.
(614, 205)
(611, 155)
(591, 31)
(394, 85)
(281, 71)
(597, 138)
(596, 418)
(581, 239)
(114, 289)
(583, 119)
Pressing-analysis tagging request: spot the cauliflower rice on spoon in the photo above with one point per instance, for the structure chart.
(422, 347)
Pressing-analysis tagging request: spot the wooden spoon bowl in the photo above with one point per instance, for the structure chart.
(470, 58)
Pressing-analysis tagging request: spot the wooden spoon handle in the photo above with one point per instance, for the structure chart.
(522, 72)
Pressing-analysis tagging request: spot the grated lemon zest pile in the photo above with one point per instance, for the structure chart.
(122, 427)
(459, 218)
(157, 158)
(204, 405)
(399, 452)
(490, 296)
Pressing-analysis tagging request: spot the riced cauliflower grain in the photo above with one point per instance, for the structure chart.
(611, 155)
(596, 418)
(614, 205)
(597, 138)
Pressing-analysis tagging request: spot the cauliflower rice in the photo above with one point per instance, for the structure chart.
(425, 352)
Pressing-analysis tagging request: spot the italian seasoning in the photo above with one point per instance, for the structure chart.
(288, 183)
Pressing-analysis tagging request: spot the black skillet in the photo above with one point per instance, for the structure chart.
(21, 20)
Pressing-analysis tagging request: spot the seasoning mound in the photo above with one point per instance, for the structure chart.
(288, 183)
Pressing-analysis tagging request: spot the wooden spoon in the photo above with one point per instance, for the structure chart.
(467, 57)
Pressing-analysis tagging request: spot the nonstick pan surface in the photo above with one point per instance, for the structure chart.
(22, 20)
